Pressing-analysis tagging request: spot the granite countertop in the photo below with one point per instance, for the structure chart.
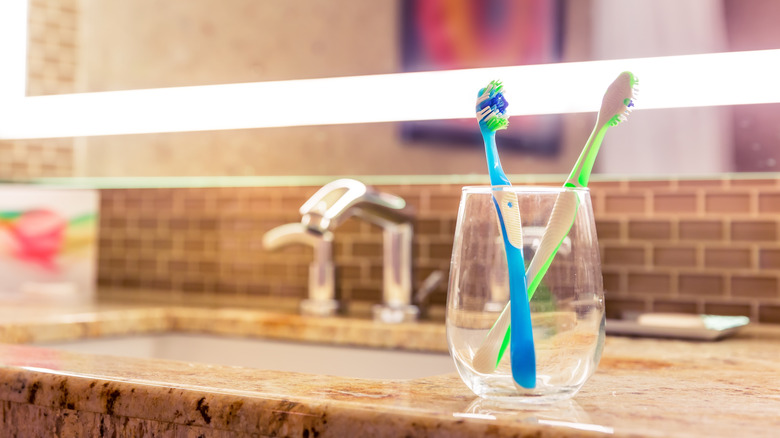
(642, 388)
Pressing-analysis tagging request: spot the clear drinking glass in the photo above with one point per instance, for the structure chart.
(567, 308)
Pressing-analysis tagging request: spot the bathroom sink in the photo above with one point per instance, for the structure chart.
(268, 354)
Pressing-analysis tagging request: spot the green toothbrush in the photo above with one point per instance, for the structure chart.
(617, 103)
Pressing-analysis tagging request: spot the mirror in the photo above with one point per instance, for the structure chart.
(98, 45)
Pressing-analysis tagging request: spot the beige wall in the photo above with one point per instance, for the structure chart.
(147, 43)
(94, 45)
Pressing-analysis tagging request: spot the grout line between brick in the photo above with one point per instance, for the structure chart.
(699, 247)
(649, 259)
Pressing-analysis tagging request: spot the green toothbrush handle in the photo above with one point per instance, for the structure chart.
(561, 220)
(580, 173)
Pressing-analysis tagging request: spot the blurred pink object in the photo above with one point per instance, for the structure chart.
(38, 237)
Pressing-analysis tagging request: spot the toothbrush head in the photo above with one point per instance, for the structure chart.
(619, 99)
(491, 107)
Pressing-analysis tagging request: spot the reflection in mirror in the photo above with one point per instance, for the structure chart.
(93, 45)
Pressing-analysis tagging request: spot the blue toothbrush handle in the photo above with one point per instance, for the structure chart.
(521, 343)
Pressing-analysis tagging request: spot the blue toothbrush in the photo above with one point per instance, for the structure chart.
(491, 114)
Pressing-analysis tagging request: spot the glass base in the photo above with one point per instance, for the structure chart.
(319, 307)
(395, 314)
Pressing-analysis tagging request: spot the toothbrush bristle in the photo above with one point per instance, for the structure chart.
(620, 98)
(491, 107)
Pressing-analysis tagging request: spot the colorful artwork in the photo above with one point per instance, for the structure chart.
(457, 34)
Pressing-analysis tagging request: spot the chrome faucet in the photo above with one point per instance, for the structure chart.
(322, 292)
(338, 200)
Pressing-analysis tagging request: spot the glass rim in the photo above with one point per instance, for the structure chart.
(524, 189)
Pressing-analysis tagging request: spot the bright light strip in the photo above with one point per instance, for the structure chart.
(665, 82)
(13, 50)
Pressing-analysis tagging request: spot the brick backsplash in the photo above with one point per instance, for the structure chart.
(699, 246)
(209, 241)
(667, 245)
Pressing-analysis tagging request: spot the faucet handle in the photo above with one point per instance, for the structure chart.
(319, 209)
(337, 200)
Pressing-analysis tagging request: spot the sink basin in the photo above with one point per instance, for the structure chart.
(269, 355)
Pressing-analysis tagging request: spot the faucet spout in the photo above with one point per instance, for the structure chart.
(322, 290)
